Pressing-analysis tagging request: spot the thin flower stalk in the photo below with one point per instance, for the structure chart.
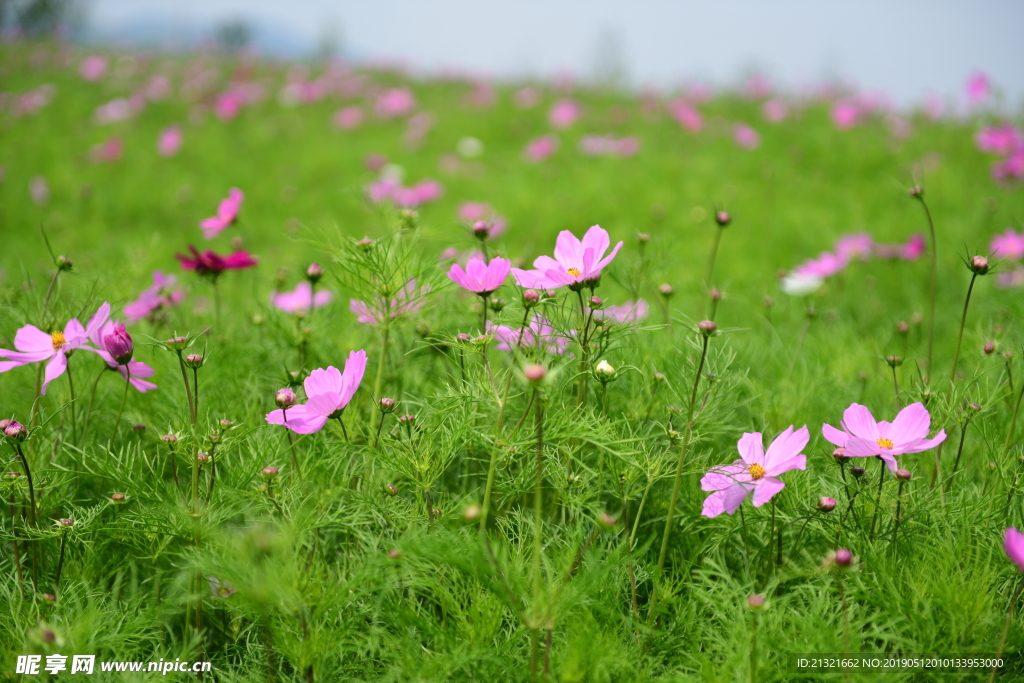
(918, 194)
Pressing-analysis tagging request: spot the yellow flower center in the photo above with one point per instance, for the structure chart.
(885, 443)
(58, 340)
(575, 272)
(756, 471)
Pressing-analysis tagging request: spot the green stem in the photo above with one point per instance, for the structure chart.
(933, 264)
(878, 500)
(963, 321)
(92, 397)
(538, 498)
(959, 452)
(492, 465)
(899, 506)
(378, 381)
(124, 397)
(1006, 448)
(714, 255)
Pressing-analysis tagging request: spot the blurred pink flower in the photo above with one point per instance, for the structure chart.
(119, 109)
(978, 88)
(1011, 278)
(348, 118)
(863, 437)
(1013, 544)
(1011, 168)
(227, 105)
(474, 211)
(607, 145)
(775, 110)
(576, 261)
(416, 128)
(213, 264)
(629, 311)
(162, 294)
(910, 251)
(408, 300)
(845, 114)
(107, 151)
(754, 472)
(825, 266)
(227, 213)
(39, 190)
(1008, 245)
(745, 136)
(528, 97)
(170, 141)
(375, 162)
(158, 88)
(389, 189)
(1003, 139)
(480, 276)
(539, 334)
(899, 127)
(93, 68)
(328, 392)
(301, 299)
(757, 87)
(541, 148)
(686, 116)
(564, 113)
(856, 245)
(394, 102)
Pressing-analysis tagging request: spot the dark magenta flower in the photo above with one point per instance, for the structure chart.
(118, 343)
(209, 263)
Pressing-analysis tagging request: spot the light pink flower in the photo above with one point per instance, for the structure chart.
(607, 145)
(394, 102)
(856, 245)
(479, 276)
(227, 105)
(1011, 168)
(389, 189)
(170, 141)
(846, 114)
(162, 294)
(348, 118)
(775, 111)
(629, 311)
(1008, 245)
(910, 251)
(745, 136)
(978, 88)
(863, 437)
(564, 113)
(686, 115)
(35, 346)
(1002, 140)
(93, 68)
(328, 392)
(408, 300)
(754, 472)
(107, 151)
(825, 266)
(227, 213)
(1010, 278)
(301, 299)
(538, 334)
(576, 262)
(1013, 544)
(541, 148)
(474, 211)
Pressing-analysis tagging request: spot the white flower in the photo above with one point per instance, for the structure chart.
(796, 284)
(604, 370)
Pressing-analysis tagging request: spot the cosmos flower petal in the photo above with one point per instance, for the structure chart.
(910, 425)
(1013, 543)
(751, 448)
(765, 489)
(834, 436)
(859, 421)
(54, 369)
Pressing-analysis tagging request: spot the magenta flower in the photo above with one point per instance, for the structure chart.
(209, 263)
(978, 88)
(1011, 168)
(1009, 245)
(541, 148)
(227, 213)
(118, 344)
(348, 118)
(1013, 543)
(564, 113)
(35, 346)
(474, 211)
(328, 392)
(538, 334)
(629, 311)
(93, 68)
(301, 299)
(745, 136)
(527, 98)
(97, 330)
(685, 115)
(479, 276)
(389, 189)
(1001, 140)
(857, 245)
(846, 114)
(754, 472)
(163, 294)
(408, 300)
(170, 141)
(576, 262)
(825, 266)
(862, 437)
(394, 102)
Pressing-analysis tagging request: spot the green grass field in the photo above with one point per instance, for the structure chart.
(365, 558)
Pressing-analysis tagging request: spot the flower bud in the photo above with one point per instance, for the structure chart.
(225, 424)
(314, 272)
(117, 497)
(386, 405)
(15, 431)
(481, 230)
(365, 244)
(202, 457)
(12, 475)
(407, 419)
(437, 512)
(176, 343)
(658, 377)
(194, 361)
(531, 297)
(119, 345)
(63, 263)
(604, 371)
(826, 504)
(463, 338)
(975, 407)
(472, 513)
(916, 192)
(840, 455)
(409, 218)
(989, 347)
(606, 521)
(497, 305)
(707, 327)
(843, 557)
(894, 361)
(722, 218)
(550, 294)
(534, 372)
(67, 521)
(666, 290)
(857, 471)
(1008, 355)
(285, 398)
(270, 472)
(169, 439)
(214, 437)
(50, 598)
(903, 327)
(394, 553)
(3, 424)
(979, 265)
(596, 302)
(138, 428)
(643, 237)
(391, 490)
(903, 475)
(755, 602)
(716, 294)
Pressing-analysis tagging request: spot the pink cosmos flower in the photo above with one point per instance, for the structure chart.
(977, 88)
(857, 245)
(389, 189)
(1009, 245)
(107, 151)
(685, 115)
(93, 68)
(910, 251)
(1011, 168)
(1010, 278)
(227, 213)
(1013, 543)
(825, 266)
(629, 311)
(1002, 140)
(474, 211)
(754, 472)
(575, 263)
(408, 300)
(301, 299)
(538, 334)
(479, 276)
(162, 294)
(227, 105)
(541, 148)
(134, 371)
(862, 437)
(170, 141)
(845, 114)
(394, 102)
(328, 392)
(35, 346)
(209, 263)
(348, 118)
(775, 111)
(745, 136)
(564, 113)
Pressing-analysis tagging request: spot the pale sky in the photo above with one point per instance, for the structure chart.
(904, 47)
